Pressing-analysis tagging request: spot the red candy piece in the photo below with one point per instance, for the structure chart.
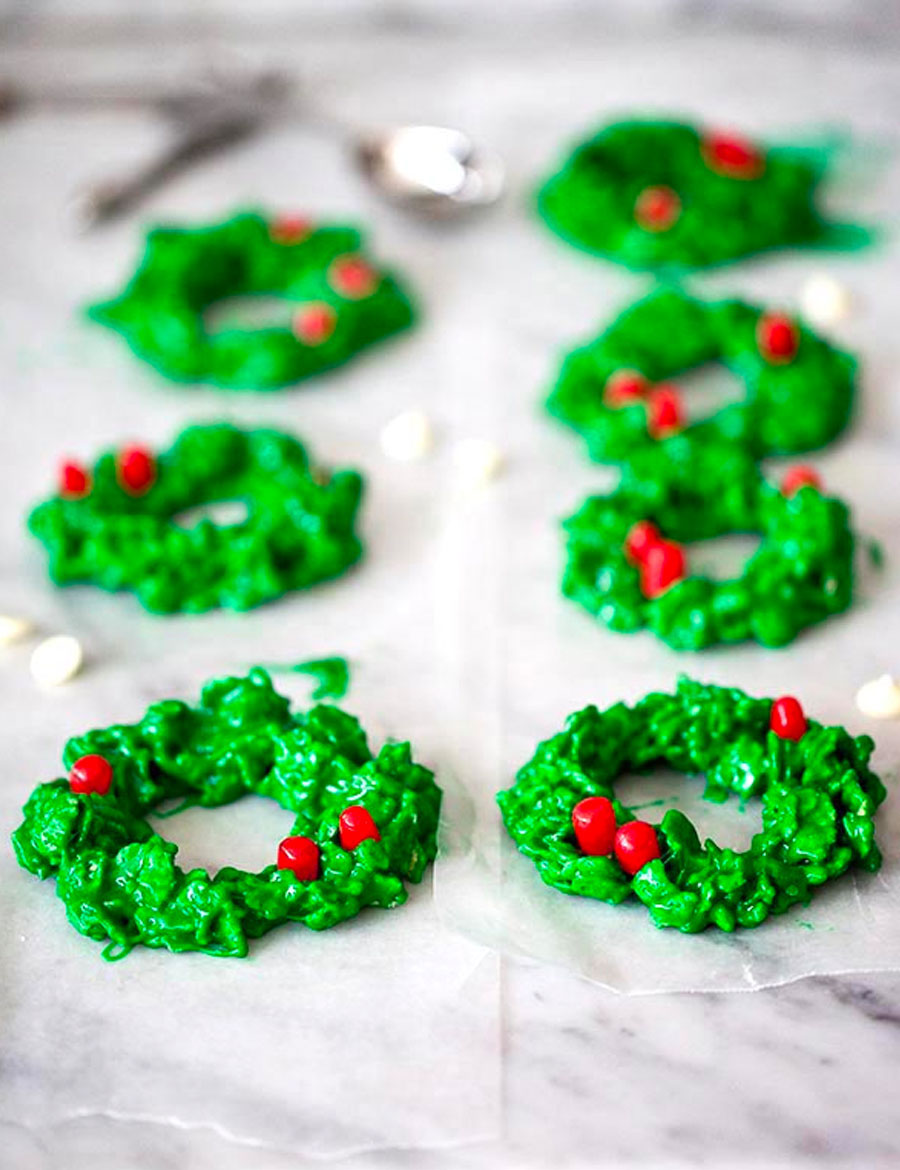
(301, 856)
(290, 229)
(800, 476)
(665, 412)
(136, 470)
(777, 338)
(657, 209)
(91, 774)
(624, 387)
(787, 719)
(594, 822)
(731, 155)
(640, 539)
(74, 481)
(314, 323)
(663, 566)
(636, 844)
(352, 277)
(356, 825)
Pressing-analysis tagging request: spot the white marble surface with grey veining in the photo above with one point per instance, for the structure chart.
(552, 1069)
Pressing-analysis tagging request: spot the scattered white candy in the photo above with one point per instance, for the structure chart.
(825, 301)
(477, 461)
(880, 698)
(407, 437)
(56, 660)
(13, 629)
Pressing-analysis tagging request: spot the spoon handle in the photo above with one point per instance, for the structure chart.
(103, 201)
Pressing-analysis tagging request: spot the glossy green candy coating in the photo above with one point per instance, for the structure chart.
(786, 408)
(118, 878)
(591, 201)
(801, 573)
(185, 271)
(332, 675)
(818, 803)
(299, 528)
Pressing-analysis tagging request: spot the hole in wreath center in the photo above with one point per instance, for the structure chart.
(222, 513)
(249, 311)
(722, 558)
(708, 389)
(245, 833)
(651, 794)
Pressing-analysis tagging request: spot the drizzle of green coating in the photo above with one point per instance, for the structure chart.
(118, 878)
(184, 271)
(591, 201)
(801, 573)
(787, 408)
(332, 675)
(818, 795)
(299, 528)
(876, 554)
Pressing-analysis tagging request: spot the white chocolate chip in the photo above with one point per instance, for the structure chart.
(477, 461)
(56, 660)
(13, 629)
(880, 698)
(825, 301)
(407, 437)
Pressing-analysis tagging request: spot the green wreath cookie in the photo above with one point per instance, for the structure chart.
(627, 566)
(340, 303)
(649, 194)
(818, 803)
(116, 525)
(615, 391)
(364, 824)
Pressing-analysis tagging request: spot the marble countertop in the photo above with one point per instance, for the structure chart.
(551, 1069)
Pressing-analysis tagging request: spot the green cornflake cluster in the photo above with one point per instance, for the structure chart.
(795, 406)
(118, 878)
(818, 803)
(185, 271)
(801, 573)
(299, 527)
(723, 213)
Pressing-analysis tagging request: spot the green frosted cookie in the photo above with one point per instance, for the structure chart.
(365, 824)
(818, 805)
(654, 194)
(617, 391)
(337, 301)
(627, 564)
(121, 524)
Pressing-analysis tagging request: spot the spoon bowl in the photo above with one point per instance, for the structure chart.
(433, 170)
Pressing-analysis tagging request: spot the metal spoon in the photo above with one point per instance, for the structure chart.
(432, 170)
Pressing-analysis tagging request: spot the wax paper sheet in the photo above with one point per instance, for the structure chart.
(380, 1034)
(539, 658)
